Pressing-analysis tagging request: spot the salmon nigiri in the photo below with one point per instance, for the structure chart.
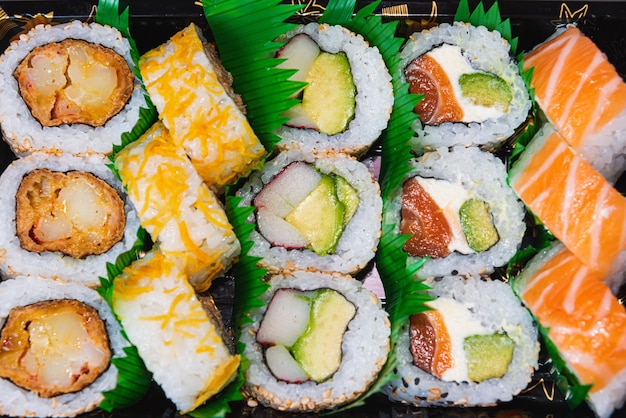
(574, 201)
(583, 320)
(582, 94)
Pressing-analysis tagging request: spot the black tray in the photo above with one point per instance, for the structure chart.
(152, 22)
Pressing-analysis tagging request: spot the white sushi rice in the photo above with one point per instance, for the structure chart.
(14, 260)
(174, 336)
(358, 243)
(494, 304)
(24, 133)
(374, 94)
(365, 348)
(484, 176)
(16, 401)
(486, 51)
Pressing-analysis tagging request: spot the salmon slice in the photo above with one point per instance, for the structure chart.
(575, 202)
(430, 343)
(583, 319)
(425, 76)
(425, 221)
(578, 89)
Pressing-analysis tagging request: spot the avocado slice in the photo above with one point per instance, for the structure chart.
(488, 356)
(329, 98)
(348, 196)
(318, 350)
(477, 225)
(319, 216)
(486, 90)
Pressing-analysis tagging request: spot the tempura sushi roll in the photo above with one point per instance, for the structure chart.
(473, 91)
(313, 211)
(575, 202)
(348, 98)
(459, 211)
(174, 335)
(63, 216)
(582, 325)
(319, 343)
(193, 95)
(57, 340)
(476, 346)
(179, 211)
(68, 87)
(583, 96)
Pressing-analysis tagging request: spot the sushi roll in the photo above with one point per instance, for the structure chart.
(58, 340)
(457, 208)
(583, 96)
(319, 342)
(473, 91)
(313, 211)
(348, 98)
(179, 211)
(476, 346)
(176, 338)
(574, 201)
(582, 324)
(64, 216)
(68, 87)
(192, 93)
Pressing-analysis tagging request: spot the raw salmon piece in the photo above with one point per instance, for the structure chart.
(583, 319)
(582, 94)
(425, 76)
(430, 343)
(575, 202)
(424, 220)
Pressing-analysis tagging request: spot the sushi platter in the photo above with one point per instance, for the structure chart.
(219, 237)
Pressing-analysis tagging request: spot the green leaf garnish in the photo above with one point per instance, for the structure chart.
(249, 286)
(264, 88)
(134, 379)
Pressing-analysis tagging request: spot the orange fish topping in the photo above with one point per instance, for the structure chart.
(424, 220)
(425, 76)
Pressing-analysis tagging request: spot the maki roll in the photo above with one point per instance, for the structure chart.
(459, 212)
(476, 346)
(575, 202)
(192, 228)
(58, 340)
(179, 341)
(64, 216)
(193, 95)
(313, 211)
(582, 324)
(319, 343)
(583, 96)
(348, 96)
(68, 87)
(473, 91)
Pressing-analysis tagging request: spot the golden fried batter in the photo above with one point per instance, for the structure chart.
(75, 213)
(54, 347)
(73, 81)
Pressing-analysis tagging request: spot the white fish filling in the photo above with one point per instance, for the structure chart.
(460, 324)
(455, 64)
(449, 197)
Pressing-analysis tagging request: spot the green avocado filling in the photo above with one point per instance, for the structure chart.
(486, 89)
(488, 356)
